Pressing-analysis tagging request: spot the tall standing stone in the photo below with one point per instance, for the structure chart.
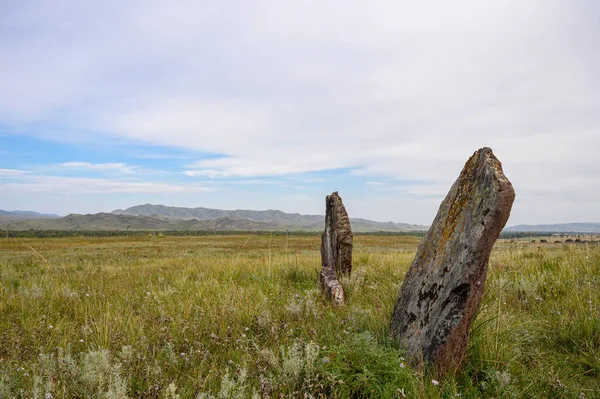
(443, 288)
(336, 247)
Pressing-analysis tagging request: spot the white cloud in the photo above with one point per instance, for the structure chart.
(205, 172)
(86, 185)
(104, 167)
(13, 172)
(270, 165)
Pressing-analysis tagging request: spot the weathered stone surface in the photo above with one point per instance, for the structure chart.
(336, 241)
(336, 247)
(332, 286)
(442, 290)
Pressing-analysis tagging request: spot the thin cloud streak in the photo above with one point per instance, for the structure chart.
(85, 185)
(13, 172)
(110, 167)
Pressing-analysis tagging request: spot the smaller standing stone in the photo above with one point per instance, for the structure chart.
(443, 288)
(336, 247)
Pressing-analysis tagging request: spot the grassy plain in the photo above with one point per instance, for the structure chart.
(241, 316)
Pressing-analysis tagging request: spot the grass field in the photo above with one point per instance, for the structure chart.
(241, 316)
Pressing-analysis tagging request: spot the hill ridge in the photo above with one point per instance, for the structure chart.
(17, 215)
(161, 217)
(573, 227)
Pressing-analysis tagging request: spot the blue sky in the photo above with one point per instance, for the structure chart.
(273, 105)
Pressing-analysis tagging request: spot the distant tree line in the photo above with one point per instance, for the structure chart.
(527, 234)
(31, 233)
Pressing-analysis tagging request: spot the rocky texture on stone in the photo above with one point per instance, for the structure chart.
(443, 288)
(336, 247)
(331, 285)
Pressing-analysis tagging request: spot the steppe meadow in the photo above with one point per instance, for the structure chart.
(236, 316)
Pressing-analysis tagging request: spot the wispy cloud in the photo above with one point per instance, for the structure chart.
(104, 167)
(376, 183)
(109, 169)
(162, 156)
(85, 185)
(246, 182)
(210, 173)
(13, 172)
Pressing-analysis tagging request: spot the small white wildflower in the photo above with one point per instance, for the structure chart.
(246, 329)
(50, 326)
(182, 353)
(243, 335)
(81, 340)
(402, 365)
(88, 294)
(504, 378)
(435, 382)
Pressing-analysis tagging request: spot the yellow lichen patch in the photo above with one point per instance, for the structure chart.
(465, 192)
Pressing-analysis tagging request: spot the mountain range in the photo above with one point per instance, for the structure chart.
(160, 218)
(15, 216)
(590, 228)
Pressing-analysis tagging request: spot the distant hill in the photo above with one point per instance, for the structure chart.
(556, 228)
(13, 216)
(282, 220)
(160, 217)
(110, 222)
(172, 212)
